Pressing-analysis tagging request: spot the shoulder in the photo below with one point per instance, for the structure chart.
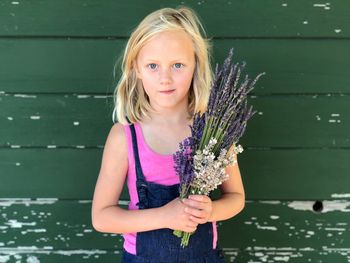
(116, 143)
(115, 153)
(117, 130)
(117, 135)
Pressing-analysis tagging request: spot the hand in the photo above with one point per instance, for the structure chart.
(200, 208)
(174, 216)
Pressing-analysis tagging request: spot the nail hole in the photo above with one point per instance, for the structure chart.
(317, 206)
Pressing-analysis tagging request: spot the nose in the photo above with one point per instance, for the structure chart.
(165, 77)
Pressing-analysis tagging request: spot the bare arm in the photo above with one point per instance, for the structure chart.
(107, 216)
(117, 220)
(232, 200)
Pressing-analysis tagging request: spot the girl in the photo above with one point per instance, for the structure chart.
(166, 78)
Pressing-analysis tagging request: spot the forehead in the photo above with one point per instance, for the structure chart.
(168, 45)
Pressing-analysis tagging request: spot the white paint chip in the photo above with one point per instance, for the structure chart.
(83, 96)
(26, 201)
(51, 146)
(25, 96)
(328, 206)
(13, 223)
(343, 195)
(32, 259)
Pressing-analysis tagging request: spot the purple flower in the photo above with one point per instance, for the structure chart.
(225, 120)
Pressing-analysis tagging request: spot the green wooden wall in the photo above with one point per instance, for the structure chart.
(56, 84)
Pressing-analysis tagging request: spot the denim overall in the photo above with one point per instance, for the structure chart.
(161, 245)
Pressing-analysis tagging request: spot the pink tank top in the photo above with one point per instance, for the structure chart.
(153, 167)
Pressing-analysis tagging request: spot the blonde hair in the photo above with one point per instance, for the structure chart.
(131, 103)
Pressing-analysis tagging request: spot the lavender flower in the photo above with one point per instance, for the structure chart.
(202, 158)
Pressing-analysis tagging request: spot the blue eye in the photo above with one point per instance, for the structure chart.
(178, 64)
(152, 64)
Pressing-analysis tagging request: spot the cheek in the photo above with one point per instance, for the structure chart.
(185, 79)
(147, 82)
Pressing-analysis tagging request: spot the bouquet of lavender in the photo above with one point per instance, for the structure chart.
(201, 159)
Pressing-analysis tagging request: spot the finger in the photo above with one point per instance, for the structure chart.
(192, 226)
(197, 220)
(199, 198)
(192, 223)
(191, 230)
(194, 212)
(194, 203)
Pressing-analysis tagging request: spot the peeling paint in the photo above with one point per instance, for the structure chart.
(25, 96)
(101, 96)
(83, 96)
(325, 6)
(343, 195)
(26, 201)
(13, 223)
(80, 146)
(328, 206)
(272, 202)
(273, 228)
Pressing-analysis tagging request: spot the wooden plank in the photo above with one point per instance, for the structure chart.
(61, 229)
(266, 174)
(250, 18)
(281, 121)
(92, 66)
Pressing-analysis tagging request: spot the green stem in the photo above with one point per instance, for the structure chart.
(204, 135)
(185, 236)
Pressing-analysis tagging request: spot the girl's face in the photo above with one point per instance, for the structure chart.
(167, 62)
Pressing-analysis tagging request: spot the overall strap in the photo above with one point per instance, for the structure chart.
(138, 168)
(141, 183)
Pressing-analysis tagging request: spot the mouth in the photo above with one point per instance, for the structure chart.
(167, 91)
